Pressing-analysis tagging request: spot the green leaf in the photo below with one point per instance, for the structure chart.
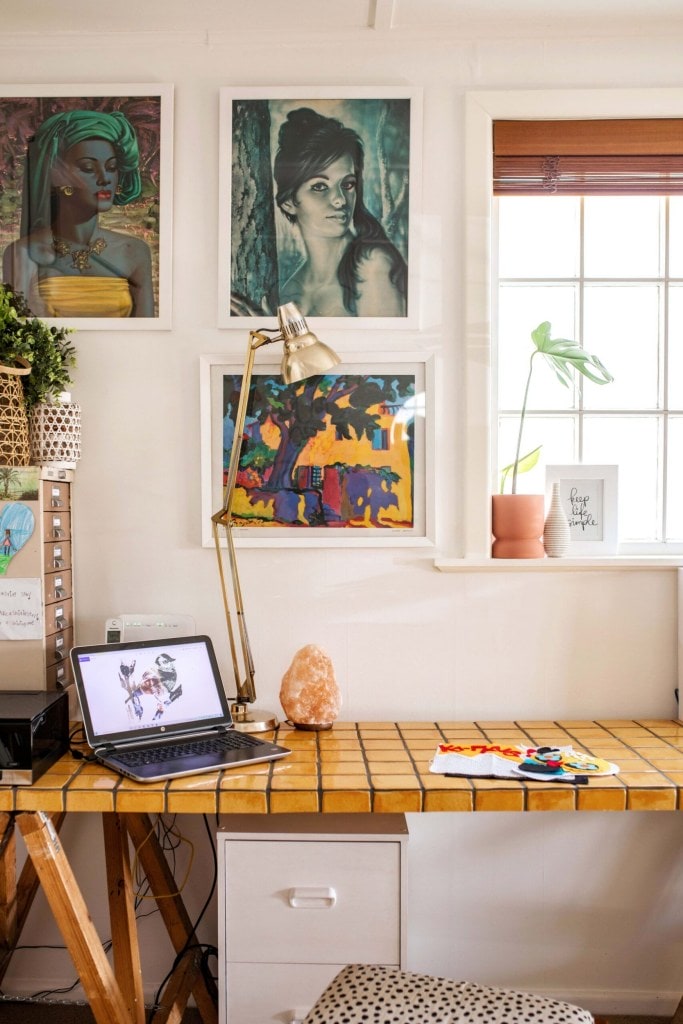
(565, 356)
(526, 463)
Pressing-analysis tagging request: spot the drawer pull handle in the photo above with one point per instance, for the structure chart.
(60, 623)
(58, 563)
(309, 898)
(59, 656)
(60, 593)
(56, 503)
(57, 533)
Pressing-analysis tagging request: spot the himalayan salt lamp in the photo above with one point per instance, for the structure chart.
(309, 693)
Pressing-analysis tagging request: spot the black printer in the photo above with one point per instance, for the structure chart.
(34, 733)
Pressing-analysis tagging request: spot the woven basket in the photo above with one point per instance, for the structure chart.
(14, 445)
(55, 434)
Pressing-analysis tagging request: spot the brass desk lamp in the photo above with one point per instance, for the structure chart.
(304, 355)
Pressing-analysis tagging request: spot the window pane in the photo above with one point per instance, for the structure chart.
(621, 327)
(675, 347)
(676, 236)
(557, 437)
(521, 309)
(632, 444)
(674, 497)
(622, 236)
(539, 236)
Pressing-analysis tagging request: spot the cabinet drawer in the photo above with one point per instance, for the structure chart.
(57, 525)
(57, 555)
(58, 617)
(277, 993)
(58, 645)
(57, 586)
(60, 675)
(313, 902)
(56, 494)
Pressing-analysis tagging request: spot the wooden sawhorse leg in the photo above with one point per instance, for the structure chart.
(177, 921)
(70, 911)
(124, 932)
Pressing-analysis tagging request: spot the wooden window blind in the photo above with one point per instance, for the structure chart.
(589, 157)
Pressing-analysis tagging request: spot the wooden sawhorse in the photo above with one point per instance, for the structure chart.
(115, 994)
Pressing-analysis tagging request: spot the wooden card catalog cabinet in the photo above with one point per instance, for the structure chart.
(35, 643)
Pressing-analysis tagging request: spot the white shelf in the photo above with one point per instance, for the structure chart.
(585, 564)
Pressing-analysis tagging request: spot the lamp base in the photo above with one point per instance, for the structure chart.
(249, 719)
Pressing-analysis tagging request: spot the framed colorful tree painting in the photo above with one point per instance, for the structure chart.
(339, 459)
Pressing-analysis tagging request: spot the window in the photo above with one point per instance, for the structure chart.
(608, 272)
(570, 258)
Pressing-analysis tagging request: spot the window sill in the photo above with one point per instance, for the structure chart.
(569, 564)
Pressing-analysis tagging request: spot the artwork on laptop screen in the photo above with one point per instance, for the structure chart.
(153, 686)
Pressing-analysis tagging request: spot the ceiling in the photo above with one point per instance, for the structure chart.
(444, 19)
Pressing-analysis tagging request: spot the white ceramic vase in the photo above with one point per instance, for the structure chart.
(556, 530)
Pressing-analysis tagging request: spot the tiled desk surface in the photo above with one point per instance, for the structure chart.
(384, 767)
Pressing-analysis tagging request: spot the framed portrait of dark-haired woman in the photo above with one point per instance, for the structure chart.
(319, 202)
(86, 199)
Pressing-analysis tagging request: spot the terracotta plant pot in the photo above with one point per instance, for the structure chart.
(517, 525)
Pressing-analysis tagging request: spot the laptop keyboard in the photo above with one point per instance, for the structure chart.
(171, 751)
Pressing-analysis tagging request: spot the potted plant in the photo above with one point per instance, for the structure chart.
(41, 357)
(518, 518)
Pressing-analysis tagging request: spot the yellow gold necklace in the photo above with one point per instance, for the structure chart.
(80, 258)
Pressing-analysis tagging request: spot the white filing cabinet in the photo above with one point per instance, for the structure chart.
(299, 897)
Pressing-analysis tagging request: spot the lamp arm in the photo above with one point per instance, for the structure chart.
(246, 689)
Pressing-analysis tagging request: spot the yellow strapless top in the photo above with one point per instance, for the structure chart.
(86, 296)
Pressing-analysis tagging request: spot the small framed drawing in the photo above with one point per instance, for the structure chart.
(319, 204)
(589, 499)
(342, 459)
(86, 181)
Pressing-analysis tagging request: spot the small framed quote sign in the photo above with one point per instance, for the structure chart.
(589, 499)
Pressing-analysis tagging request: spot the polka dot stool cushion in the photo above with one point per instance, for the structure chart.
(369, 994)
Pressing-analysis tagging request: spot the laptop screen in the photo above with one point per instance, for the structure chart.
(130, 691)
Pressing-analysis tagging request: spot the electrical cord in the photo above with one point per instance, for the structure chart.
(208, 950)
(76, 752)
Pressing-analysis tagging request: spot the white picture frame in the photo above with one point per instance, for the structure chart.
(353, 454)
(148, 217)
(251, 280)
(588, 494)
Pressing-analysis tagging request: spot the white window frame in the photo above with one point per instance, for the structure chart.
(481, 109)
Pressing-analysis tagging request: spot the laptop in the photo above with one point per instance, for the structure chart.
(156, 709)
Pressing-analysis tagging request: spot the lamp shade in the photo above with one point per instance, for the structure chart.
(304, 354)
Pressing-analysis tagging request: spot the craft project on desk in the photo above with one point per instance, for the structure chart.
(516, 761)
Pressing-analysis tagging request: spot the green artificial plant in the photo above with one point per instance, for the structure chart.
(564, 358)
(47, 349)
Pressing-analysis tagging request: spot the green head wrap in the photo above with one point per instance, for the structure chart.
(58, 134)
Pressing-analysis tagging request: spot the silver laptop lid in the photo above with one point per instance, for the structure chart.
(136, 691)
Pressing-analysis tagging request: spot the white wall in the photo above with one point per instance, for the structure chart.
(586, 907)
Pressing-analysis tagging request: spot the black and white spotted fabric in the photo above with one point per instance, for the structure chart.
(368, 994)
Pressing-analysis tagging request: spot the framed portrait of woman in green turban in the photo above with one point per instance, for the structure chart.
(85, 202)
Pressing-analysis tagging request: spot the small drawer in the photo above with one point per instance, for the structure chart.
(56, 494)
(323, 902)
(274, 993)
(58, 617)
(57, 555)
(59, 676)
(58, 645)
(58, 586)
(57, 525)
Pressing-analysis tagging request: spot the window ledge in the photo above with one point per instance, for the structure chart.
(576, 564)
